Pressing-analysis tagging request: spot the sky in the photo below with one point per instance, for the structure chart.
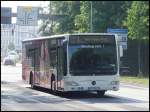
(14, 4)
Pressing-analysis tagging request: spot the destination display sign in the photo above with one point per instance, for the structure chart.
(91, 39)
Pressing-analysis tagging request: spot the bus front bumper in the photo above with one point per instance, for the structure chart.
(92, 88)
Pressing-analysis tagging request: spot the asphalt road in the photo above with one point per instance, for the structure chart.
(18, 96)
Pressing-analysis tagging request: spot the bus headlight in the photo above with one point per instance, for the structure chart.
(114, 82)
(72, 83)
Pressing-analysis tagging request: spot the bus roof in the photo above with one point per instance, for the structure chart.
(63, 35)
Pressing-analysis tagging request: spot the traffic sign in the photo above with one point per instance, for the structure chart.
(117, 30)
(124, 45)
(122, 34)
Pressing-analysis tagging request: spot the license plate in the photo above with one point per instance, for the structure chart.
(93, 88)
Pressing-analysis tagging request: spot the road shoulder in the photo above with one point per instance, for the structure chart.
(134, 85)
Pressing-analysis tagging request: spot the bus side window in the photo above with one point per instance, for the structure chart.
(28, 53)
(52, 54)
(53, 58)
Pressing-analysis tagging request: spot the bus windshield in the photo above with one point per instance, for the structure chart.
(100, 59)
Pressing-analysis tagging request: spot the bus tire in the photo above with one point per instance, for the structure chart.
(101, 93)
(53, 84)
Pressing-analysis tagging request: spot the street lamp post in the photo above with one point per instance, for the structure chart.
(91, 18)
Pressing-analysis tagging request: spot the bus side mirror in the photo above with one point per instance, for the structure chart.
(65, 41)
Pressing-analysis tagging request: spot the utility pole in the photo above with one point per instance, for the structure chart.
(12, 32)
(91, 19)
(13, 37)
(139, 59)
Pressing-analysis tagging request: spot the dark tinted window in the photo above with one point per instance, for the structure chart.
(88, 61)
(52, 52)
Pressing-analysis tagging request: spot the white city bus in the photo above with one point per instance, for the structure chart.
(72, 62)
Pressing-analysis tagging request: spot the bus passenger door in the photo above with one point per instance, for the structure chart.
(35, 65)
(59, 67)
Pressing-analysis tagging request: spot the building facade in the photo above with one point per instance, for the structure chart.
(6, 15)
(13, 33)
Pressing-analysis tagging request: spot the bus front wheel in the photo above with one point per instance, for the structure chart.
(101, 93)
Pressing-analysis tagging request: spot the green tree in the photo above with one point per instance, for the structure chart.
(138, 24)
(82, 21)
(70, 9)
(62, 25)
(45, 29)
(78, 16)
(105, 14)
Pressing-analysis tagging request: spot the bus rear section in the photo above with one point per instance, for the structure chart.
(77, 62)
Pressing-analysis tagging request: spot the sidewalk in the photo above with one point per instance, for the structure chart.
(137, 85)
(18, 64)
